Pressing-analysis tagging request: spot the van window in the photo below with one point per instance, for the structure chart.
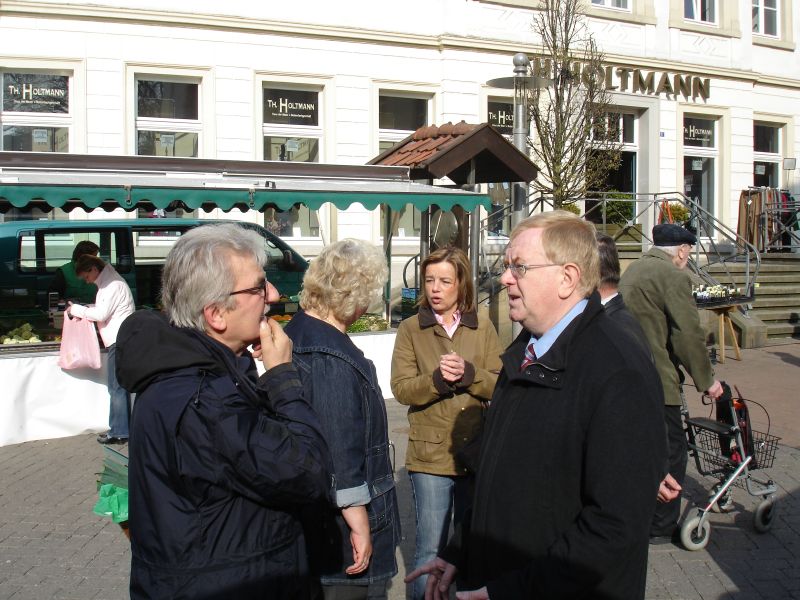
(27, 253)
(58, 247)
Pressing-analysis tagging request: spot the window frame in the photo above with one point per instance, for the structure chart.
(203, 126)
(761, 8)
(773, 158)
(42, 120)
(396, 135)
(317, 132)
(608, 4)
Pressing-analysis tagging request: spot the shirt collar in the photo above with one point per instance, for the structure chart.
(543, 344)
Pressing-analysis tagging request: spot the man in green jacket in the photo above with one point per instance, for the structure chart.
(658, 291)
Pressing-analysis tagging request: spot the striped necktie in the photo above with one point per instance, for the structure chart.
(530, 356)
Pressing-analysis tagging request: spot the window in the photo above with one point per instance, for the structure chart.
(700, 155)
(765, 17)
(500, 114)
(766, 154)
(291, 131)
(35, 113)
(167, 117)
(704, 11)
(611, 3)
(399, 116)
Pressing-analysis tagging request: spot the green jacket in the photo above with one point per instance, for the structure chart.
(443, 417)
(660, 296)
(71, 287)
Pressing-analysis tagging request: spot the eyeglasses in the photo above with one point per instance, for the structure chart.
(518, 271)
(258, 290)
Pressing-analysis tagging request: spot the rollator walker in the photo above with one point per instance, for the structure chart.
(728, 448)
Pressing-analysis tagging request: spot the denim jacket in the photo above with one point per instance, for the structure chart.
(341, 384)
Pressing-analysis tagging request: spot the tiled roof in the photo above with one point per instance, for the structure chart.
(465, 153)
(425, 143)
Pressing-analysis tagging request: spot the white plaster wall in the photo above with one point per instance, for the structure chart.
(446, 48)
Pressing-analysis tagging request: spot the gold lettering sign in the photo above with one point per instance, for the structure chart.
(632, 79)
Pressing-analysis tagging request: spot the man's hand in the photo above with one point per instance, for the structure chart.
(440, 577)
(276, 347)
(715, 391)
(668, 489)
(452, 367)
(481, 594)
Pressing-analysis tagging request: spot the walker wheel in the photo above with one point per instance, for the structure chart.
(691, 538)
(725, 502)
(764, 516)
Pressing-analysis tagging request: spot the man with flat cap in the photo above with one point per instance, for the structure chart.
(658, 291)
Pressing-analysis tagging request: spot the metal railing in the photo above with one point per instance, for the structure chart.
(721, 256)
(629, 219)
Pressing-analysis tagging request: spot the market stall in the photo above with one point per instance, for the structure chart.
(45, 401)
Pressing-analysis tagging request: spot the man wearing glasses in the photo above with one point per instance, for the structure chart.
(221, 460)
(574, 447)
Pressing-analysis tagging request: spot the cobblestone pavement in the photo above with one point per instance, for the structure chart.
(53, 546)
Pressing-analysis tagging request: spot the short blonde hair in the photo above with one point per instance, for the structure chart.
(345, 278)
(566, 238)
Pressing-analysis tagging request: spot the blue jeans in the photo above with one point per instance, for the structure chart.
(437, 498)
(120, 411)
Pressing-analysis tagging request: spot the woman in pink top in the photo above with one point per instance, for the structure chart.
(113, 304)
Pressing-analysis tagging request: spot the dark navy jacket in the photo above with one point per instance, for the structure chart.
(220, 463)
(341, 384)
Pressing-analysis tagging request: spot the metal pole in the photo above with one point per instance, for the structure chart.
(519, 191)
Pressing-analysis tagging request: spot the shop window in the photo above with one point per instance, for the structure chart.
(765, 17)
(704, 11)
(292, 132)
(766, 155)
(398, 117)
(167, 117)
(35, 115)
(500, 115)
(699, 161)
(623, 4)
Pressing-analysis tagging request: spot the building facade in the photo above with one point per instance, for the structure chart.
(707, 91)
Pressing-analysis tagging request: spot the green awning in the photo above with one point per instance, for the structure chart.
(47, 190)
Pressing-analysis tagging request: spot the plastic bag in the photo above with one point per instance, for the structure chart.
(112, 501)
(79, 345)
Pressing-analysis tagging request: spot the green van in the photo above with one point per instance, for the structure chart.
(31, 251)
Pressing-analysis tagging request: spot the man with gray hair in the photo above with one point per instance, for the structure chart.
(658, 292)
(221, 460)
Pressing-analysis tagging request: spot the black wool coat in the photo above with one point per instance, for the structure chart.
(572, 456)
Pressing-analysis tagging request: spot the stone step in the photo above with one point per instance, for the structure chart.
(765, 268)
(783, 330)
(789, 315)
(778, 289)
(772, 301)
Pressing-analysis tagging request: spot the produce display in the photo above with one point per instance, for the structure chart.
(717, 294)
(23, 334)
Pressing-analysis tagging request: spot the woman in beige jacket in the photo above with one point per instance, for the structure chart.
(444, 368)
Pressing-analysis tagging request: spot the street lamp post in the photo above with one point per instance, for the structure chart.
(521, 82)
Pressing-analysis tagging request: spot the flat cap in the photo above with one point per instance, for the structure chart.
(669, 234)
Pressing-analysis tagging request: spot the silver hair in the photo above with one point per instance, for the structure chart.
(345, 278)
(197, 272)
(671, 250)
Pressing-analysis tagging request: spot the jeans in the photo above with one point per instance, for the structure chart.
(437, 498)
(120, 411)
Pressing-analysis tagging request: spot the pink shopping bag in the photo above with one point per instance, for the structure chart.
(79, 345)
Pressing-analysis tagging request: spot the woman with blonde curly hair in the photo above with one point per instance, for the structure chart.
(351, 544)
